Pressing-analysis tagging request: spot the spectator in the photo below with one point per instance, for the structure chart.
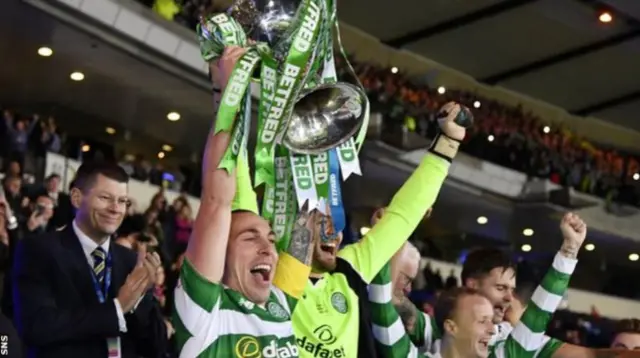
(39, 215)
(184, 221)
(63, 213)
(18, 135)
(77, 295)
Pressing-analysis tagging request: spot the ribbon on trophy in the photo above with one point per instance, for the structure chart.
(284, 209)
(290, 83)
(300, 59)
(335, 200)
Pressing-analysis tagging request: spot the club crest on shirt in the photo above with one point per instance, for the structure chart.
(339, 302)
(276, 310)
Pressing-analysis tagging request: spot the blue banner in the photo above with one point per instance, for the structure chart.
(335, 194)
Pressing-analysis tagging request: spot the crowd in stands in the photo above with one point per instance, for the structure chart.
(509, 136)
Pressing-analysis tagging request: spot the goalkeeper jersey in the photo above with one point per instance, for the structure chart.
(214, 321)
(328, 318)
(526, 340)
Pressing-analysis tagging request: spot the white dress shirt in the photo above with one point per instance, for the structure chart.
(89, 246)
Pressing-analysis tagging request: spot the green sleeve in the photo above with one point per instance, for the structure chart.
(549, 348)
(388, 329)
(245, 198)
(425, 332)
(196, 303)
(527, 336)
(401, 218)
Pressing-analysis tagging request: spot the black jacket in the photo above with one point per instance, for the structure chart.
(56, 309)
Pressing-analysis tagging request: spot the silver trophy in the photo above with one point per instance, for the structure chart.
(323, 117)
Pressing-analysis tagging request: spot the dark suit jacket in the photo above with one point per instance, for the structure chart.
(57, 312)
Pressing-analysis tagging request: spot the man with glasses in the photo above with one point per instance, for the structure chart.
(77, 295)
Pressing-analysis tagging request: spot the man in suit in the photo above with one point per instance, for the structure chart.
(76, 293)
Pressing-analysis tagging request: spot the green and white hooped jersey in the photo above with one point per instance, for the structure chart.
(214, 321)
(527, 339)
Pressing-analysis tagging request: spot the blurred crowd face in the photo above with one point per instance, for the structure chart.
(102, 207)
(185, 212)
(251, 257)
(629, 341)
(327, 243)
(44, 205)
(178, 204)
(471, 326)
(14, 169)
(498, 288)
(13, 186)
(53, 184)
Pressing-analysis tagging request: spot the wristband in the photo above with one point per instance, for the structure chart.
(445, 147)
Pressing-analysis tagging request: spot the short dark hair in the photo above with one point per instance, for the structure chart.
(480, 262)
(628, 325)
(89, 171)
(447, 303)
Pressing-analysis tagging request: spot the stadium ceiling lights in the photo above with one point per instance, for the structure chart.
(394, 70)
(527, 232)
(636, 176)
(442, 90)
(173, 116)
(110, 130)
(634, 257)
(589, 247)
(546, 129)
(45, 51)
(161, 155)
(482, 220)
(167, 148)
(605, 17)
(526, 248)
(77, 76)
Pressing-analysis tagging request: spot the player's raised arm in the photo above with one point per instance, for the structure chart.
(411, 202)
(208, 244)
(528, 336)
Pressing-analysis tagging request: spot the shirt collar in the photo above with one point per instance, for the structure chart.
(88, 245)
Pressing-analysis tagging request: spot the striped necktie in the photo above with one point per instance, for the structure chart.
(99, 257)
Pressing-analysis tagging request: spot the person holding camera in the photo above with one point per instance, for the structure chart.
(42, 208)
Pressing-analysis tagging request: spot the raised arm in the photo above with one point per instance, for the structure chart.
(208, 244)
(527, 337)
(411, 202)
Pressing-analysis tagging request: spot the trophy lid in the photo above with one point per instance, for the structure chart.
(266, 20)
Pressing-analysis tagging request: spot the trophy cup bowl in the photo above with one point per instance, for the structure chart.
(323, 117)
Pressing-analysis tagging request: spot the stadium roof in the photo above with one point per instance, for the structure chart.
(130, 93)
(553, 50)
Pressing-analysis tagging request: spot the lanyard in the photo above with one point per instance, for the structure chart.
(108, 264)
